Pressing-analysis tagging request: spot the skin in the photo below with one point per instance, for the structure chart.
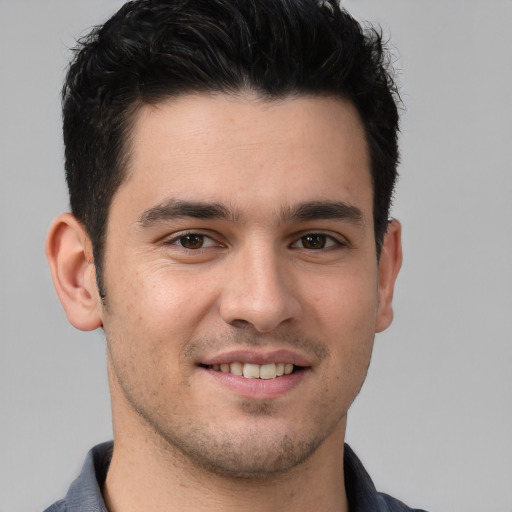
(260, 278)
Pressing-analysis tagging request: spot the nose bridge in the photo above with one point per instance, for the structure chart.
(258, 290)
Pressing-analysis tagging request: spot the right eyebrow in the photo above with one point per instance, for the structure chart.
(176, 209)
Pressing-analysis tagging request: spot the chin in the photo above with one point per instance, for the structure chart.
(244, 453)
(260, 462)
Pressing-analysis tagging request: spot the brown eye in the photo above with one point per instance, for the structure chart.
(191, 241)
(313, 241)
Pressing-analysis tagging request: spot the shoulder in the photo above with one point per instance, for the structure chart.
(59, 506)
(393, 505)
(84, 494)
(361, 492)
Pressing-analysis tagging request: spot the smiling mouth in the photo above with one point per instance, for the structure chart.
(255, 371)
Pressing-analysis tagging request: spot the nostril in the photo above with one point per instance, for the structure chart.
(240, 324)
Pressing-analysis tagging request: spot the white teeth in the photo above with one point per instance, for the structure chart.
(255, 371)
(251, 371)
(268, 371)
(237, 368)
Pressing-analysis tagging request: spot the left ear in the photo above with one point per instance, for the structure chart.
(389, 266)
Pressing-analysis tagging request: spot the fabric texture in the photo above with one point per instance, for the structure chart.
(84, 494)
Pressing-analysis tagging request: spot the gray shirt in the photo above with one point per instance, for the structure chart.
(84, 494)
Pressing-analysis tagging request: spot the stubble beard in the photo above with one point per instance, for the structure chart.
(237, 454)
(241, 453)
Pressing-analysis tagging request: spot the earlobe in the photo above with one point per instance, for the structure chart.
(389, 266)
(69, 253)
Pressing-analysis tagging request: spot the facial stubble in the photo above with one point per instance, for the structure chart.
(243, 452)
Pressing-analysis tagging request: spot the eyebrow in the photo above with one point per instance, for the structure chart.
(176, 209)
(314, 210)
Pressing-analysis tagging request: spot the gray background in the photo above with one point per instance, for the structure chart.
(433, 423)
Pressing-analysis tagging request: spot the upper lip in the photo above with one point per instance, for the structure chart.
(257, 357)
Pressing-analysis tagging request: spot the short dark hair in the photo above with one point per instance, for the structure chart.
(154, 49)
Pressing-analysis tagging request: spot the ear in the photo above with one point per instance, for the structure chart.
(389, 266)
(69, 253)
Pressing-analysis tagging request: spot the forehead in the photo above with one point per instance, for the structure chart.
(247, 151)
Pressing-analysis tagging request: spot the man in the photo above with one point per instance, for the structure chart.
(230, 165)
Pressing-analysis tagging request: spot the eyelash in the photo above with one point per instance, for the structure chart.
(329, 241)
(176, 239)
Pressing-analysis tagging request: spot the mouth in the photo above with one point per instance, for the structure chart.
(266, 371)
(257, 374)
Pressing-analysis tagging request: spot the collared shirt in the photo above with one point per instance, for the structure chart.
(84, 494)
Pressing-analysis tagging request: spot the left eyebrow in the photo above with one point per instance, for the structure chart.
(321, 210)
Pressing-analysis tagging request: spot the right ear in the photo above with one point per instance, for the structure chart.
(69, 252)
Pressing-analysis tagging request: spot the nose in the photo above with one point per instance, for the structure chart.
(258, 292)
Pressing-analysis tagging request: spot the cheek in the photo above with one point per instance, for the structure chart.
(345, 300)
(344, 316)
(151, 317)
(161, 299)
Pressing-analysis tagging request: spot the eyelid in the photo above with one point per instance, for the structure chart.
(197, 232)
(337, 239)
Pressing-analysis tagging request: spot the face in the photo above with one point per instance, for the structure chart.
(241, 279)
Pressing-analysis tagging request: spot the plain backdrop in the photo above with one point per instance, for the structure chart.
(433, 424)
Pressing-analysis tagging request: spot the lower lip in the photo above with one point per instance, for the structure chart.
(259, 389)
